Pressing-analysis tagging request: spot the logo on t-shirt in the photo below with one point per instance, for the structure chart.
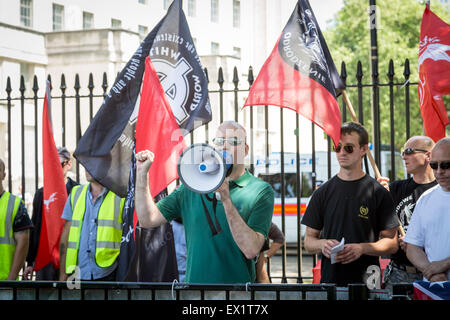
(363, 212)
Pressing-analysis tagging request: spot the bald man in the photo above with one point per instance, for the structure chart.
(428, 236)
(14, 238)
(223, 235)
(416, 155)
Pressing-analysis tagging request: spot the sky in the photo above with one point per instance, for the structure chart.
(325, 10)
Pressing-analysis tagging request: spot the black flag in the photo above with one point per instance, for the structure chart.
(106, 148)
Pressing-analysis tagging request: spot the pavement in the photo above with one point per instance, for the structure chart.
(292, 272)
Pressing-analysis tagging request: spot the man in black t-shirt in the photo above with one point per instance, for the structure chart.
(353, 206)
(416, 154)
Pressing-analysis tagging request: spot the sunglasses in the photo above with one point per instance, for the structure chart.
(444, 165)
(409, 151)
(348, 149)
(64, 163)
(233, 141)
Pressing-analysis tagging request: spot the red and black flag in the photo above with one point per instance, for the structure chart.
(434, 73)
(106, 148)
(300, 74)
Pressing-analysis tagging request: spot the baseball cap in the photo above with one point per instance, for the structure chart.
(64, 153)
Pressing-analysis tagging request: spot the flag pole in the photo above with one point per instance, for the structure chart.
(369, 154)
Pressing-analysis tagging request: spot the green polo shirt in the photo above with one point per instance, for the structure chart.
(218, 259)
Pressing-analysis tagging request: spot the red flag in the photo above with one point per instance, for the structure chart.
(55, 194)
(434, 73)
(158, 131)
(300, 74)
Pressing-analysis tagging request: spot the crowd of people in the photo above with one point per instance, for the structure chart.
(224, 237)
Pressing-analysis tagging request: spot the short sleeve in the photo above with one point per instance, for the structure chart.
(262, 211)
(22, 220)
(67, 212)
(275, 234)
(170, 206)
(415, 235)
(386, 217)
(313, 216)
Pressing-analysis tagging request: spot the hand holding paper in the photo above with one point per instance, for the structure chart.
(335, 250)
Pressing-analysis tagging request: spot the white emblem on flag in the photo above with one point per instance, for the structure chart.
(51, 199)
(431, 48)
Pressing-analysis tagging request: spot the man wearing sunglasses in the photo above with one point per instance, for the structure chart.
(428, 236)
(48, 272)
(242, 215)
(354, 206)
(416, 155)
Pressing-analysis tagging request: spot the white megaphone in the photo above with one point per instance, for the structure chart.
(202, 169)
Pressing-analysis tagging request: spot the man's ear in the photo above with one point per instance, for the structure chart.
(365, 149)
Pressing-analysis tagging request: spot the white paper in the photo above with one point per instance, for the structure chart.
(335, 250)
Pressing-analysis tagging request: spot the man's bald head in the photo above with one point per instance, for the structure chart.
(2, 166)
(420, 142)
(439, 156)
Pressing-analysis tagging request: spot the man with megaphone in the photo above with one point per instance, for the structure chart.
(225, 228)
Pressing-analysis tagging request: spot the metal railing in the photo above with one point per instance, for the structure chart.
(84, 107)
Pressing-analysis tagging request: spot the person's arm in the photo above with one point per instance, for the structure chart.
(387, 244)
(249, 241)
(22, 239)
(436, 267)
(147, 212)
(315, 245)
(63, 251)
(417, 256)
(273, 249)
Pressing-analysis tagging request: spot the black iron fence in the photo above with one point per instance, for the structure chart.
(75, 107)
(91, 290)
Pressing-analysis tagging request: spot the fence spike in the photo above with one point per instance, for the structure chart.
(220, 80)
(343, 72)
(8, 86)
(250, 77)
(359, 72)
(63, 86)
(22, 84)
(77, 82)
(91, 82)
(391, 73)
(49, 79)
(407, 72)
(105, 82)
(235, 77)
(35, 85)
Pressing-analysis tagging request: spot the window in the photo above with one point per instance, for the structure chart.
(236, 13)
(237, 52)
(214, 10)
(215, 48)
(58, 17)
(116, 23)
(143, 30)
(191, 8)
(88, 20)
(142, 1)
(25, 12)
(167, 4)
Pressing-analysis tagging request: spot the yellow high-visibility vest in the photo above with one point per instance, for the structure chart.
(109, 228)
(9, 205)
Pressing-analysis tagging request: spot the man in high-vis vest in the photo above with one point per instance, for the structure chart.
(14, 232)
(90, 242)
